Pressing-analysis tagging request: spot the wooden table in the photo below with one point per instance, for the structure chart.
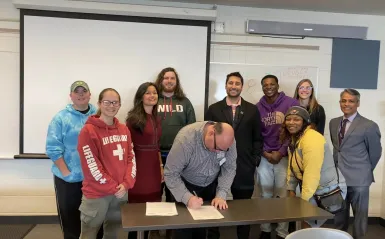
(240, 212)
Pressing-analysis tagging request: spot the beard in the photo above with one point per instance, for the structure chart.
(168, 89)
(233, 96)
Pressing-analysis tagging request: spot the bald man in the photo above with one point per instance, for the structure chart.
(201, 167)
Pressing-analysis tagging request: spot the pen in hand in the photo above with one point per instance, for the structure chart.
(196, 202)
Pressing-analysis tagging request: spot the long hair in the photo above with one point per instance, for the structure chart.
(101, 95)
(137, 116)
(313, 103)
(179, 94)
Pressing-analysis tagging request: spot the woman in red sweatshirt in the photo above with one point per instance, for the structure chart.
(144, 125)
(108, 165)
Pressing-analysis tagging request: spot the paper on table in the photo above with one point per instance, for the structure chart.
(161, 209)
(205, 213)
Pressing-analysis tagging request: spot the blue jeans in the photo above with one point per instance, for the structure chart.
(319, 223)
(272, 178)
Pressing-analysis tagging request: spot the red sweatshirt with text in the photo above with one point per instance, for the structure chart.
(107, 157)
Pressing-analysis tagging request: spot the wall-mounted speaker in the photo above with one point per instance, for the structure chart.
(305, 29)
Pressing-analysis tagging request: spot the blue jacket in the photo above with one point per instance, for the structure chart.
(62, 141)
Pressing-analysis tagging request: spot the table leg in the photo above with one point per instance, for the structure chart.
(140, 235)
(298, 225)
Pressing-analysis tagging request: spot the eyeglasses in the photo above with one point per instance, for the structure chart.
(305, 87)
(215, 145)
(108, 103)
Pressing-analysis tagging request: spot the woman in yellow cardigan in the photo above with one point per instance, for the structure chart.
(311, 163)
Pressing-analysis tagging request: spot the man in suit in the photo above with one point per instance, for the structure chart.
(356, 150)
(245, 119)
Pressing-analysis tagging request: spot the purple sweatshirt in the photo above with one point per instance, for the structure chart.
(272, 116)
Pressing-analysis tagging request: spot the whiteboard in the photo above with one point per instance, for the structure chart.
(288, 77)
(116, 54)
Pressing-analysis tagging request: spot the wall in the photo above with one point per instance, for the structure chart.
(33, 177)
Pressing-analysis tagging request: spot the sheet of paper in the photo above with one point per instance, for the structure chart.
(205, 213)
(161, 209)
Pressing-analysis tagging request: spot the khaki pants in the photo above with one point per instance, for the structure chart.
(101, 211)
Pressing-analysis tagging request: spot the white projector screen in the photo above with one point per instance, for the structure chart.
(122, 54)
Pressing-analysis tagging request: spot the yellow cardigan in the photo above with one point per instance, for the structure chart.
(310, 157)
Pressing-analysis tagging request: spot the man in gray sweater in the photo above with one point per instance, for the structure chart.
(201, 167)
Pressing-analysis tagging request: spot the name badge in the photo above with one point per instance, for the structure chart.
(220, 154)
(222, 161)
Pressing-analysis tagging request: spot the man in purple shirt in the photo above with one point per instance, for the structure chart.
(272, 170)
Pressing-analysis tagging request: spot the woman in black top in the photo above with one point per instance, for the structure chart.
(304, 93)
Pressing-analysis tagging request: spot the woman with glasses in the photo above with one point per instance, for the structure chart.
(108, 165)
(304, 93)
(144, 124)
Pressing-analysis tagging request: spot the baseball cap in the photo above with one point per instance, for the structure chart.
(76, 84)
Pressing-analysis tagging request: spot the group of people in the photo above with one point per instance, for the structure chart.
(100, 163)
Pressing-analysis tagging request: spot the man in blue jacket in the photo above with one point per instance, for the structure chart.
(61, 148)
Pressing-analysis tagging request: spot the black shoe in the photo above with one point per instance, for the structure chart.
(278, 237)
(265, 235)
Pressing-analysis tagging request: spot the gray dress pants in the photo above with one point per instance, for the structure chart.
(358, 198)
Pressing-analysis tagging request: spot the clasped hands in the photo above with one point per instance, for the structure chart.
(274, 157)
(121, 191)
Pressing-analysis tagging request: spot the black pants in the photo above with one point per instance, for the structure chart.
(68, 199)
(207, 194)
(134, 235)
(243, 232)
(169, 197)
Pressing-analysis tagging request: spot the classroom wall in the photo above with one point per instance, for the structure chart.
(27, 187)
